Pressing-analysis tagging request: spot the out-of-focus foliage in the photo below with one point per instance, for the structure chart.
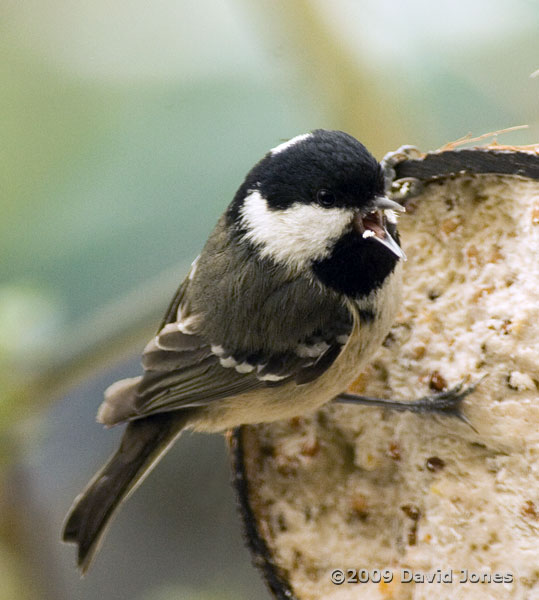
(127, 126)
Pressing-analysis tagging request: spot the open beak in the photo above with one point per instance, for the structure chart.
(373, 224)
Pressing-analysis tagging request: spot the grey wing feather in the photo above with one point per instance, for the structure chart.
(180, 371)
(197, 386)
(208, 349)
(196, 377)
(172, 349)
(199, 377)
(192, 375)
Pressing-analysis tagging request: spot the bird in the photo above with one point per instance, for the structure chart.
(295, 289)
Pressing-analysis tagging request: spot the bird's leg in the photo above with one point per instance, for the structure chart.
(447, 403)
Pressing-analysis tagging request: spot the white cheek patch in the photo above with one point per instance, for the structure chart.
(289, 143)
(295, 236)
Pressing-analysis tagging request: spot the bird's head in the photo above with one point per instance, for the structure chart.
(316, 204)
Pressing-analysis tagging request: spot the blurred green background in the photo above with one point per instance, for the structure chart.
(125, 129)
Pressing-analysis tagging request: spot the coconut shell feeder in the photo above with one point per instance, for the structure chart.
(370, 491)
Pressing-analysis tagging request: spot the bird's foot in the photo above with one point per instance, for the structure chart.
(403, 188)
(446, 403)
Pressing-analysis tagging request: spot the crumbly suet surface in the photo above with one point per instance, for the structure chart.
(352, 487)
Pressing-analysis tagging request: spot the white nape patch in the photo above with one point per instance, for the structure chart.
(294, 236)
(391, 215)
(193, 268)
(368, 233)
(218, 350)
(343, 339)
(289, 143)
(312, 350)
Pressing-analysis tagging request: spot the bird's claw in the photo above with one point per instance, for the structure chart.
(449, 402)
(404, 188)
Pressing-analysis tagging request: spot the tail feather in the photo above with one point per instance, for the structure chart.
(144, 442)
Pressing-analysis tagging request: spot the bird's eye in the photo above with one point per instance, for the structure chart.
(326, 198)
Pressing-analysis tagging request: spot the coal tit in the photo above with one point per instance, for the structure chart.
(295, 289)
